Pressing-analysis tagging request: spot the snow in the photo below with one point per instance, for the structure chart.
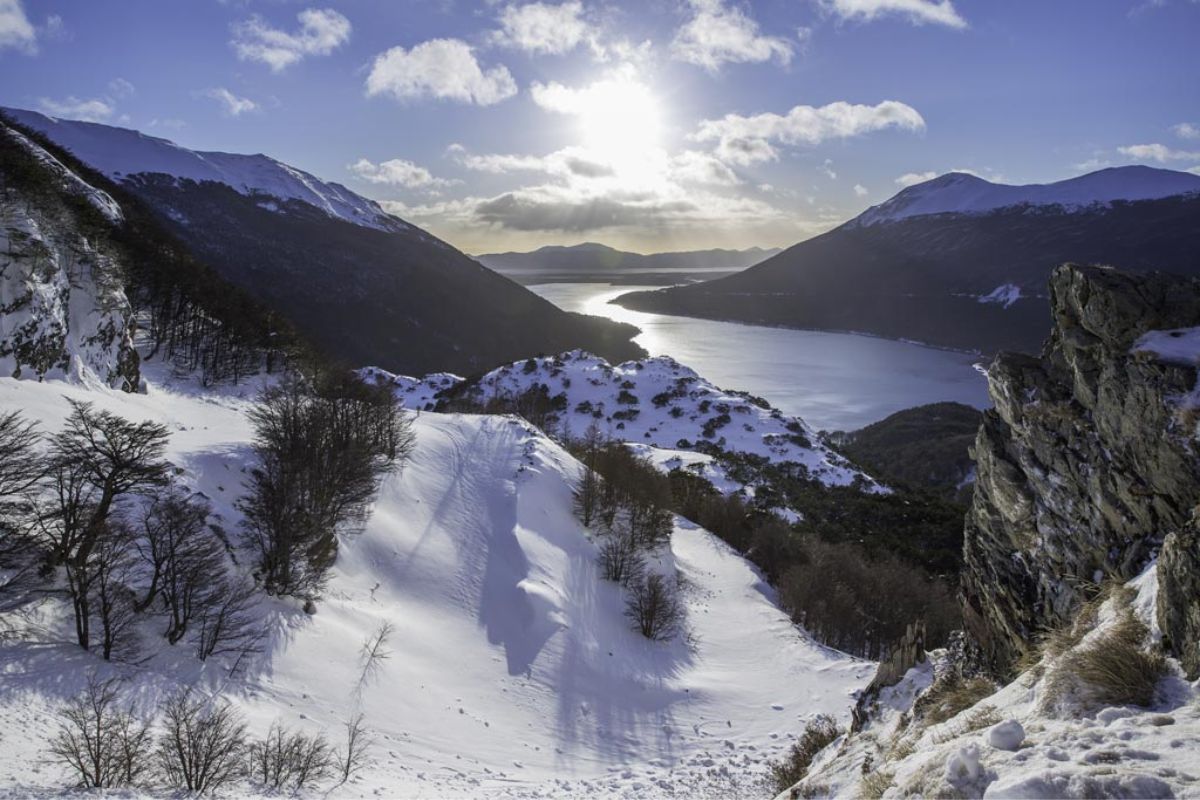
(512, 670)
(1004, 295)
(621, 399)
(1032, 751)
(1176, 346)
(961, 193)
(121, 153)
(1007, 735)
(69, 181)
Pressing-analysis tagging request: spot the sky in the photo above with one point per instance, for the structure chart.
(648, 125)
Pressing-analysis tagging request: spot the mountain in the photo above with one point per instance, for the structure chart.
(958, 261)
(364, 286)
(594, 262)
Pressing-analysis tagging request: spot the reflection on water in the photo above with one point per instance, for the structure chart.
(835, 381)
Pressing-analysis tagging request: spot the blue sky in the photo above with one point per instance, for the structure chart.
(648, 125)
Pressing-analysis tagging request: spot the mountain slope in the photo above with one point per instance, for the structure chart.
(364, 286)
(957, 261)
(595, 261)
(512, 671)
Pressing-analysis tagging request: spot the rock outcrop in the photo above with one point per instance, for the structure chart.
(1086, 462)
(63, 308)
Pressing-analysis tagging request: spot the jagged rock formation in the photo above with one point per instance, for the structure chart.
(1087, 460)
(1179, 596)
(63, 308)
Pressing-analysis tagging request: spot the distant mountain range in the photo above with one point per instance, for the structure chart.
(591, 262)
(363, 285)
(958, 261)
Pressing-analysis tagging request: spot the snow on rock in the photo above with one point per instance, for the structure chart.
(1016, 744)
(512, 670)
(121, 153)
(1004, 295)
(1177, 346)
(1007, 735)
(962, 193)
(63, 309)
(653, 401)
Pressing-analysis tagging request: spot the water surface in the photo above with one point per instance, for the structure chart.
(834, 381)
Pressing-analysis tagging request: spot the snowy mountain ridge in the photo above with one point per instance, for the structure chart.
(655, 402)
(122, 153)
(963, 193)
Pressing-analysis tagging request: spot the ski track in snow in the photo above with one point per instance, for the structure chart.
(512, 672)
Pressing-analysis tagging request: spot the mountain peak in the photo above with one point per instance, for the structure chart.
(121, 153)
(965, 193)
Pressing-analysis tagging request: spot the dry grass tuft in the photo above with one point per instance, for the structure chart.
(951, 695)
(874, 785)
(1114, 669)
(818, 734)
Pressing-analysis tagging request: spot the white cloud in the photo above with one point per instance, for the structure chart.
(544, 27)
(1156, 152)
(441, 68)
(827, 169)
(119, 87)
(717, 34)
(919, 12)
(565, 163)
(322, 30)
(16, 31)
(231, 104)
(92, 110)
(1186, 130)
(692, 166)
(913, 178)
(397, 172)
(745, 140)
(1194, 170)
(860, 190)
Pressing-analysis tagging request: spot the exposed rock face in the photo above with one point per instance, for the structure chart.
(1179, 596)
(1087, 460)
(63, 308)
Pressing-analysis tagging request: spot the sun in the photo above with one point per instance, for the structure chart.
(620, 121)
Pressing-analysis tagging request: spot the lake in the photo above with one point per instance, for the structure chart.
(834, 381)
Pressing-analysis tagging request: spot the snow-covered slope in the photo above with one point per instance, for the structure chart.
(512, 671)
(63, 308)
(652, 401)
(121, 153)
(961, 193)
(1016, 743)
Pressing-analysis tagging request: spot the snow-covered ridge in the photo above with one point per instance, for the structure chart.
(121, 153)
(512, 671)
(653, 401)
(961, 193)
(63, 308)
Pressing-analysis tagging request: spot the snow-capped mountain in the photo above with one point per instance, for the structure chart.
(592, 261)
(364, 287)
(962, 193)
(122, 153)
(958, 261)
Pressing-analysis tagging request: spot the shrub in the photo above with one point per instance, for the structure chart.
(102, 744)
(620, 560)
(290, 761)
(203, 746)
(653, 608)
(818, 734)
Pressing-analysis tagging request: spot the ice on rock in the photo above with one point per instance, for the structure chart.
(1008, 735)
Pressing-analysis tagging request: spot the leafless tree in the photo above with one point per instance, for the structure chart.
(653, 608)
(20, 469)
(358, 743)
(100, 742)
(374, 653)
(620, 559)
(107, 580)
(203, 744)
(226, 623)
(290, 761)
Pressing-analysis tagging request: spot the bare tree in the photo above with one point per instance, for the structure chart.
(107, 580)
(358, 743)
(321, 454)
(587, 489)
(101, 743)
(203, 745)
(20, 469)
(96, 460)
(290, 761)
(654, 609)
(620, 559)
(226, 623)
(374, 653)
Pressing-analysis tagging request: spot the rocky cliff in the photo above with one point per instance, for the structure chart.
(63, 308)
(1088, 462)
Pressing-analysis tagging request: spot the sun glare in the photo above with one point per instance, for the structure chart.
(621, 122)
